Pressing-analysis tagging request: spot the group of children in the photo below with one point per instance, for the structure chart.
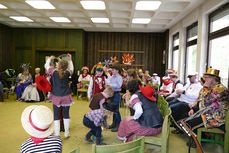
(103, 93)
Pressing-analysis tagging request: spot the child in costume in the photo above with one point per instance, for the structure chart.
(96, 117)
(37, 122)
(97, 82)
(61, 93)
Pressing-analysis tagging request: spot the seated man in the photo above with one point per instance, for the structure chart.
(177, 85)
(212, 104)
(188, 95)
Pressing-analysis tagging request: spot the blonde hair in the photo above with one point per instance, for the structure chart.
(109, 91)
(62, 67)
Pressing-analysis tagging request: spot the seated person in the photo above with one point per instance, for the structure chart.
(187, 97)
(177, 85)
(96, 117)
(147, 119)
(156, 81)
(212, 104)
(31, 92)
(84, 77)
(23, 80)
(147, 77)
(167, 87)
(37, 121)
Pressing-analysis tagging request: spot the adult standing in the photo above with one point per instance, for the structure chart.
(115, 81)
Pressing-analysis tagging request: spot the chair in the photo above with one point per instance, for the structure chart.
(216, 131)
(75, 151)
(83, 89)
(163, 138)
(135, 146)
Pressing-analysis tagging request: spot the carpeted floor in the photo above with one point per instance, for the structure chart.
(12, 133)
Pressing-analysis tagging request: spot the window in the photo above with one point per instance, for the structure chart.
(175, 52)
(218, 47)
(191, 49)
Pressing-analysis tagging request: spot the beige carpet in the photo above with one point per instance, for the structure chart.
(12, 133)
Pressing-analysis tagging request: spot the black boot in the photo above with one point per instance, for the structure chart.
(113, 123)
(115, 129)
(88, 137)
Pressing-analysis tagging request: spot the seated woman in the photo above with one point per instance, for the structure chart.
(147, 119)
(23, 80)
(31, 92)
(167, 86)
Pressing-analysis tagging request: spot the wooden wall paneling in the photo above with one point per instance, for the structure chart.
(152, 44)
(41, 38)
(6, 55)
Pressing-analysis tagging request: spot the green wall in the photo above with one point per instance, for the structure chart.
(32, 45)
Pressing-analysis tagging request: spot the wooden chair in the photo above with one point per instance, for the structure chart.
(83, 89)
(163, 138)
(135, 146)
(75, 151)
(216, 131)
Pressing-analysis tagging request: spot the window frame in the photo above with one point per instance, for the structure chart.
(174, 47)
(216, 34)
(188, 44)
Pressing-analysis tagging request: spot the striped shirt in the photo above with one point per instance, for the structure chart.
(52, 144)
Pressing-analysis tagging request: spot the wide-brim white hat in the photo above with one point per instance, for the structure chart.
(37, 120)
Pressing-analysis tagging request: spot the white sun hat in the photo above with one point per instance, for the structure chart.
(37, 120)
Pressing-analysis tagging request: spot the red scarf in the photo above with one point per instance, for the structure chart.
(84, 75)
(37, 140)
(167, 82)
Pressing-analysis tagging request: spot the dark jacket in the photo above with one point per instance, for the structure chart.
(151, 117)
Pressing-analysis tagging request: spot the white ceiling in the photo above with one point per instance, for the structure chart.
(119, 12)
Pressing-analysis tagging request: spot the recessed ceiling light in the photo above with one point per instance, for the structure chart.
(40, 4)
(93, 5)
(2, 6)
(147, 5)
(100, 20)
(141, 20)
(60, 19)
(21, 18)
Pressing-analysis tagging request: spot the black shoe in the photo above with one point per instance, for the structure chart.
(191, 143)
(102, 143)
(111, 126)
(115, 129)
(89, 140)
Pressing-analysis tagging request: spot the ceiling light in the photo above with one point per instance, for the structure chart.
(21, 18)
(60, 19)
(141, 20)
(93, 5)
(147, 5)
(2, 6)
(100, 20)
(40, 4)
